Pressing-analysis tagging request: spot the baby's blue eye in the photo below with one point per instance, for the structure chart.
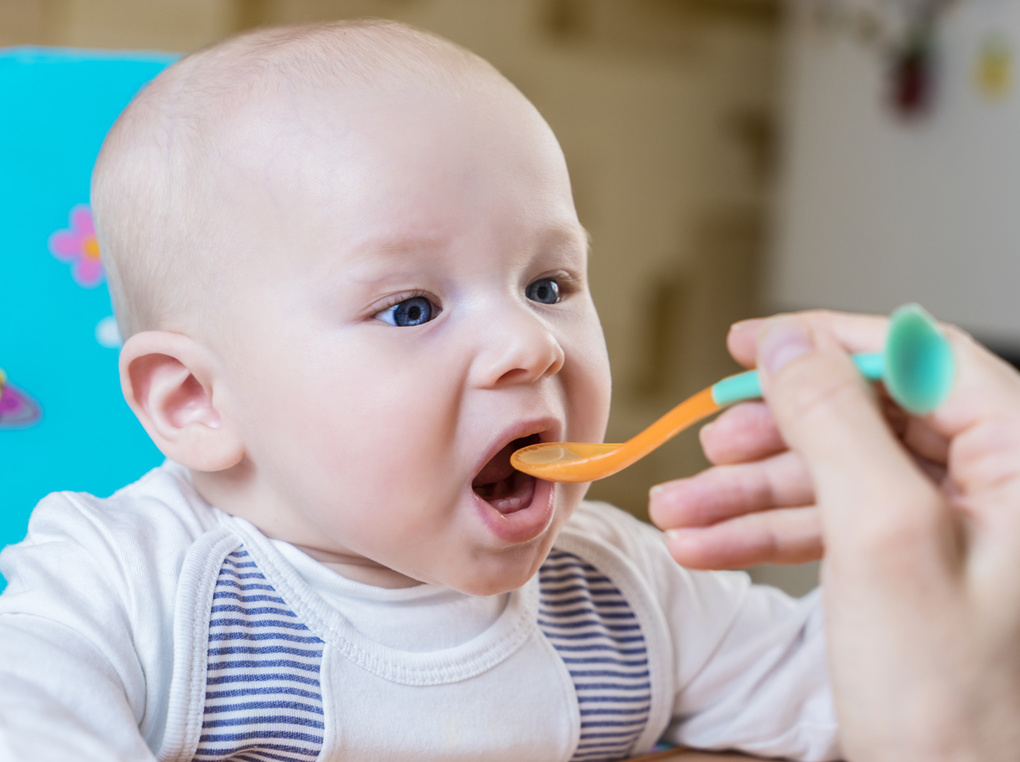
(544, 291)
(410, 312)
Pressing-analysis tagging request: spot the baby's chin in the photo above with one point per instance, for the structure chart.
(483, 588)
(511, 571)
(485, 571)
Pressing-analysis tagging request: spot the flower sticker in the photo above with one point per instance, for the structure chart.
(17, 409)
(79, 247)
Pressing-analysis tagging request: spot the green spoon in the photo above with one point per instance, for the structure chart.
(917, 368)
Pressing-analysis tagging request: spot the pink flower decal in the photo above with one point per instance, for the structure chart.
(17, 409)
(79, 247)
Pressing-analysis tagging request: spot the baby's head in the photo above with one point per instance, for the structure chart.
(352, 280)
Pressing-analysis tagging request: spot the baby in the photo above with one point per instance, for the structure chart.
(351, 278)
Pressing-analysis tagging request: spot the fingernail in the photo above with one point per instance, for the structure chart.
(681, 536)
(744, 325)
(705, 432)
(781, 344)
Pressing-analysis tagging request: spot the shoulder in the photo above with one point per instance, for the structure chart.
(163, 501)
(610, 545)
(143, 528)
(97, 584)
(616, 546)
(604, 531)
(607, 523)
(635, 553)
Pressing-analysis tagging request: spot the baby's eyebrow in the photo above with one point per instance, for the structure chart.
(569, 230)
(574, 240)
(368, 255)
(371, 260)
(377, 264)
(551, 237)
(370, 249)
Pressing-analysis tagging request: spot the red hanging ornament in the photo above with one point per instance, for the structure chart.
(913, 74)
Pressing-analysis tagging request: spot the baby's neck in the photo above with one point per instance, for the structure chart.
(234, 491)
(361, 570)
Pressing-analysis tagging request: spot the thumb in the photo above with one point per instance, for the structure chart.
(868, 487)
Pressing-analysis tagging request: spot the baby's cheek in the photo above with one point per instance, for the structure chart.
(589, 399)
(570, 495)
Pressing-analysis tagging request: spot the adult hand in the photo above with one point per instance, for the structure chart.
(920, 521)
(756, 504)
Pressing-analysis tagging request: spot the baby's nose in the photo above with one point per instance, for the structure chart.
(521, 351)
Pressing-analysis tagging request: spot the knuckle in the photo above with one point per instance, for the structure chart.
(818, 389)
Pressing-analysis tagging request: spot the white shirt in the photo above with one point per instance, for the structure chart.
(150, 625)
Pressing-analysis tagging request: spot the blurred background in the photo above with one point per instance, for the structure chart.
(729, 157)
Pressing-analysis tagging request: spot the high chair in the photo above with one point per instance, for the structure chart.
(63, 422)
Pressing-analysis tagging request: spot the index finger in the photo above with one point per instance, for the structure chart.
(854, 332)
(985, 388)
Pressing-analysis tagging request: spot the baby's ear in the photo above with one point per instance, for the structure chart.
(168, 379)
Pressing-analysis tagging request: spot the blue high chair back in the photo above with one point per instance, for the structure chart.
(63, 422)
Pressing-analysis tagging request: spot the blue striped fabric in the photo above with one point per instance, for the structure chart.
(597, 635)
(263, 701)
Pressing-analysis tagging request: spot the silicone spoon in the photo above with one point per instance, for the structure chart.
(917, 368)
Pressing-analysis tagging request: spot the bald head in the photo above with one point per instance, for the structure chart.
(163, 218)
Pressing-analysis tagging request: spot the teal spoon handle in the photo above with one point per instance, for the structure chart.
(747, 386)
(917, 365)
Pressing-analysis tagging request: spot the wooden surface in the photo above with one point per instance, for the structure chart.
(685, 755)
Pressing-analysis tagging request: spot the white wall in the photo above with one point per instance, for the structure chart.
(877, 210)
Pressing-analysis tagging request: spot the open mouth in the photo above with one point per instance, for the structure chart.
(501, 485)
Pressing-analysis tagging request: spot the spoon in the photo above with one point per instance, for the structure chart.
(917, 368)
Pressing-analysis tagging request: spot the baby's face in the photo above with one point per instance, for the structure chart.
(410, 305)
